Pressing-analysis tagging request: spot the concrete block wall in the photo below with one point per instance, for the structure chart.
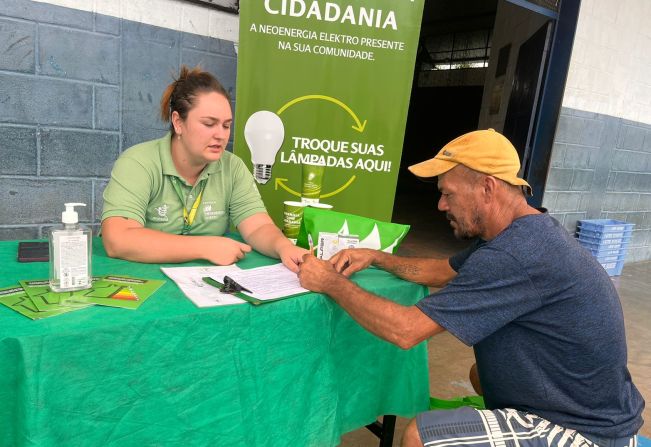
(601, 169)
(601, 159)
(77, 88)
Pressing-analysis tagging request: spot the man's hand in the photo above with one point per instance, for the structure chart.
(292, 256)
(315, 274)
(225, 251)
(352, 260)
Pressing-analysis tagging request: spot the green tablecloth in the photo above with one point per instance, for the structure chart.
(296, 372)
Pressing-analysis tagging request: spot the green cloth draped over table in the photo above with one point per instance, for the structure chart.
(295, 372)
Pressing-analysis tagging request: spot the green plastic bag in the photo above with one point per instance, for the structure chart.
(372, 233)
(457, 402)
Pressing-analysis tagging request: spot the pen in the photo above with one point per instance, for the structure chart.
(310, 242)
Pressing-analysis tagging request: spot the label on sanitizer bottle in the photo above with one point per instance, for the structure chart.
(72, 259)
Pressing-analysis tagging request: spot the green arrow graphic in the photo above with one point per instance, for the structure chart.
(281, 182)
(359, 126)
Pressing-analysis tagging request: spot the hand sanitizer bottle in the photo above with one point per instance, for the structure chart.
(70, 253)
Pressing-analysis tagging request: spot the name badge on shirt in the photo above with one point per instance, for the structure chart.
(210, 212)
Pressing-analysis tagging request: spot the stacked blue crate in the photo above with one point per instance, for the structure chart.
(607, 240)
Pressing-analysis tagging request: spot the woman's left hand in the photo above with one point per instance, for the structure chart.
(260, 232)
(292, 256)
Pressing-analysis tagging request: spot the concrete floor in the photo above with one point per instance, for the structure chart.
(450, 360)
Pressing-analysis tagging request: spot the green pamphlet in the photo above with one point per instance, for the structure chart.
(45, 300)
(118, 291)
(17, 299)
(112, 290)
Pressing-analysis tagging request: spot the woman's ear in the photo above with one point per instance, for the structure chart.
(176, 122)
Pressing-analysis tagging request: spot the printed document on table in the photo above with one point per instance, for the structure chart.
(203, 295)
(267, 283)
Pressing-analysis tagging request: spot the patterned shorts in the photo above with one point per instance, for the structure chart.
(503, 428)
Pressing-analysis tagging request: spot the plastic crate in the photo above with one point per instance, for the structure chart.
(604, 235)
(613, 268)
(602, 248)
(613, 258)
(609, 241)
(605, 225)
(605, 252)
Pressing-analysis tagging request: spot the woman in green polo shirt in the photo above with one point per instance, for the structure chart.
(172, 199)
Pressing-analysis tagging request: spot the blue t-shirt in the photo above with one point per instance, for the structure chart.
(547, 328)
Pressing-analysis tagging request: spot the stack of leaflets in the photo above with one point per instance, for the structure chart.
(35, 300)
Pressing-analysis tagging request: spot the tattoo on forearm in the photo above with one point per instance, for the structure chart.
(407, 269)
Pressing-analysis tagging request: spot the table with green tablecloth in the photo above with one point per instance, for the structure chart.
(296, 372)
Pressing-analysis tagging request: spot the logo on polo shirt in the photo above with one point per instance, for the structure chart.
(161, 213)
(210, 213)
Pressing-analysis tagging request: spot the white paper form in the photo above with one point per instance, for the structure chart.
(201, 294)
(267, 283)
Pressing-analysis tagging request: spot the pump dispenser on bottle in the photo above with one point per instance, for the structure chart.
(70, 253)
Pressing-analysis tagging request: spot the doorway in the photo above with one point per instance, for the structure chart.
(471, 55)
(525, 92)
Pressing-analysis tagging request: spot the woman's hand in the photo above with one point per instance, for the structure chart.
(263, 235)
(224, 251)
(292, 256)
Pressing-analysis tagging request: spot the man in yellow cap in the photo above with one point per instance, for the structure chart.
(541, 313)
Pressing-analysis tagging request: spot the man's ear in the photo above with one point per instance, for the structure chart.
(490, 186)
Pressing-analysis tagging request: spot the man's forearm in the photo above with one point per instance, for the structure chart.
(431, 272)
(404, 326)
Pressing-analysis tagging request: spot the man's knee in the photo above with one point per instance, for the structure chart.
(411, 438)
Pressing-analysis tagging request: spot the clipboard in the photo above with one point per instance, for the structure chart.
(247, 298)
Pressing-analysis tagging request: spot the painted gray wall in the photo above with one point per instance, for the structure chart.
(601, 169)
(76, 89)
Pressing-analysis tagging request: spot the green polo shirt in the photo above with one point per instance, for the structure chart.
(141, 188)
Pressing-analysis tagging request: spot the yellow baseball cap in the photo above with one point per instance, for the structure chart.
(484, 151)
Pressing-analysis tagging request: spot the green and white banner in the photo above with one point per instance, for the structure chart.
(322, 97)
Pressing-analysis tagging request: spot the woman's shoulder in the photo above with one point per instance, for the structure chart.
(231, 166)
(232, 161)
(147, 150)
(146, 154)
(230, 157)
(142, 158)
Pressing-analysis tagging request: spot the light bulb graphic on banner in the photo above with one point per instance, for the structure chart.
(264, 133)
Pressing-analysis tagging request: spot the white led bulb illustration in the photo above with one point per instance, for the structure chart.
(264, 133)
